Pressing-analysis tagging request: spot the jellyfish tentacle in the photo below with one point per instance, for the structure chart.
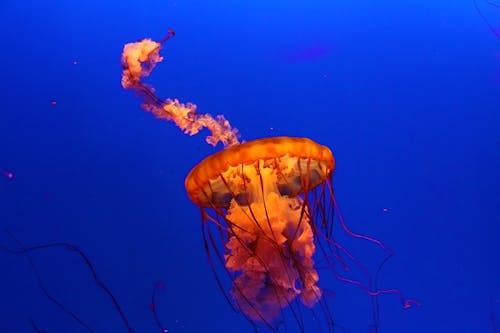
(158, 285)
(26, 251)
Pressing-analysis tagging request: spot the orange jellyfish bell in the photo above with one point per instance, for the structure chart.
(295, 165)
(258, 192)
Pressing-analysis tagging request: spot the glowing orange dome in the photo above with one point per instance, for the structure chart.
(297, 164)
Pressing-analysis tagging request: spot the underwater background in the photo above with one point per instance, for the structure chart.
(405, 93)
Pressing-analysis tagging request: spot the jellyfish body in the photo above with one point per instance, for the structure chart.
(257, 192)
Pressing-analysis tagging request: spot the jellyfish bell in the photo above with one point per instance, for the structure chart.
(257, 195)
(289, 165)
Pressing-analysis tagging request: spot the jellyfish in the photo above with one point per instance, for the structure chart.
(267, 210)
(256, 192)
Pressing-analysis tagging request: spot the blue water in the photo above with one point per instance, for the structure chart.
(405, 93)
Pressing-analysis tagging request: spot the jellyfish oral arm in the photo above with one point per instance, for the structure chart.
(138, 61)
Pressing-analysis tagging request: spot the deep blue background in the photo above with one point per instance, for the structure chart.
(406, 94)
